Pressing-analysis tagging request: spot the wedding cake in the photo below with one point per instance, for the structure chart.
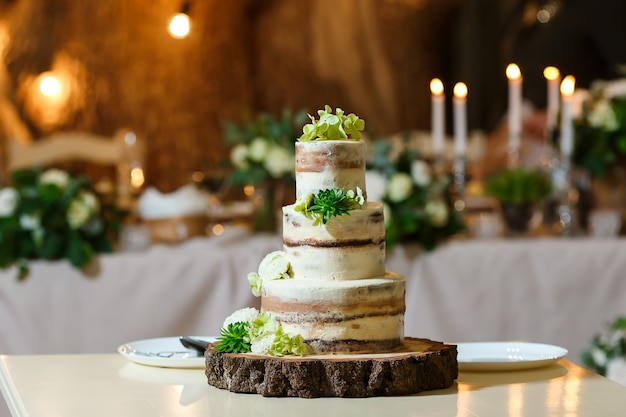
(340, 298)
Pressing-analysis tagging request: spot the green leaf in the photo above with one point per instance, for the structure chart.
(79, 252)
(233, 339)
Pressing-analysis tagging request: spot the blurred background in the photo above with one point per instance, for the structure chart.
(119, 67)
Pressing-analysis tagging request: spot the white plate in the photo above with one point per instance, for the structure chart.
(506, 356)
(166, 352)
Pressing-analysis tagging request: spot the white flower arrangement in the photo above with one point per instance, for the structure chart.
(51, 215)
(417, 205)
(600, 126)
(607, 354)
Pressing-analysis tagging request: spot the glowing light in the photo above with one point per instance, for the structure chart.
(179, 26)
(218, 229)
(49, 85)
(136, 177)
(436, 86)
(248, 190)
(568, 85)
(551, 73)
(513, 72)
(460, 90)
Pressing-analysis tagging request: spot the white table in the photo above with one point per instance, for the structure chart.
(108, 385)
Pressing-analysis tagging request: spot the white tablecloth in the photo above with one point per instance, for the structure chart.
(543, 290)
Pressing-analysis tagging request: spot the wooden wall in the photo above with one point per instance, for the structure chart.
(374, 58)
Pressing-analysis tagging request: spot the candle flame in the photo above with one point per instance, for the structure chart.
(568, 85)
(460, 90)
(436, 86)
(551, 73)
(513, 72)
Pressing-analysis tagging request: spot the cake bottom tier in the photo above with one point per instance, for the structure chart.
(357, 316)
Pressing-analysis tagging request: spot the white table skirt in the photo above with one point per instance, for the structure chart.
(543, 290)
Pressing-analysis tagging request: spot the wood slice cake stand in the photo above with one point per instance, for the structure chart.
(420, 365)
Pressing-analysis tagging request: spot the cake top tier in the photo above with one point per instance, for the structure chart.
(332, 164)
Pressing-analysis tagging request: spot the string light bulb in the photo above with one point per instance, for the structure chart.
(180, 24)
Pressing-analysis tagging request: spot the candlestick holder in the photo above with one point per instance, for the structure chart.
(566, 199)
(458, 183)
(513, 156)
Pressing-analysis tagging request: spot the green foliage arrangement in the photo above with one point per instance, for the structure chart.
(263, 147)
(519, 186)
(418, 205)
(324, 205)
(606, 347)
(333, 126)
(248, 330)
(51, 215)
(600, 128)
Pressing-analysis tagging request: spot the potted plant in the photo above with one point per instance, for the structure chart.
(518, 190)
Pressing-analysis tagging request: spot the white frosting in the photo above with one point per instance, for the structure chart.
(362, 310)
(345, 248)
(329, 164)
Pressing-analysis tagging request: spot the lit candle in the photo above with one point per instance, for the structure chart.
(514, 76)
(437, 121)
(460, 118)
(553, 77)
(567, 131)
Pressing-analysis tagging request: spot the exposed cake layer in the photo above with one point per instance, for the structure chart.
(329, 164)
(340, 316)
(347, 247)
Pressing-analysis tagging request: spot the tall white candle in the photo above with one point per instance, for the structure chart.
(567, 130)
(437, 116)
(514, 76)
(460, 119)
(553, 79)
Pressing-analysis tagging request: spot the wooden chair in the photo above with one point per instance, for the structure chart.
(122, 151)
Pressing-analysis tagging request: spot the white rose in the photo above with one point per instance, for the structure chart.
(246, 315)
(77, 214)
(279, 162)
(262, 344)
(420, 171)
(275, 265)
(602, 116)
(55, 176)
(399, 187)
(89, 199)
(375, 184)
(259, 147)
(9, 198)
(598, 356)
(239, 156)
(30, 221)
(437, 212)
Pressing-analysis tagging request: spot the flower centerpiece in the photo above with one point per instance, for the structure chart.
(418, 205)
(51, 215)
(262, 156)
(607, 354)
(600, 127)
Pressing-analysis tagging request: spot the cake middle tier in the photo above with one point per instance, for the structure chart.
(345, 248)
(340, 316)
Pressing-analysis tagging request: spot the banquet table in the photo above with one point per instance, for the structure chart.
(109, 385)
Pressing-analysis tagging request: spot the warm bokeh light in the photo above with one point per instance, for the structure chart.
(568, 85)
(551, 73)
(180, 26)
(248, 190)
(49, 85)
(513, 72)
(460, 90)
(436, 86)
(136, 178)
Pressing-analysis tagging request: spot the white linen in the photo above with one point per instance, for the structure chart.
(554, 291)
